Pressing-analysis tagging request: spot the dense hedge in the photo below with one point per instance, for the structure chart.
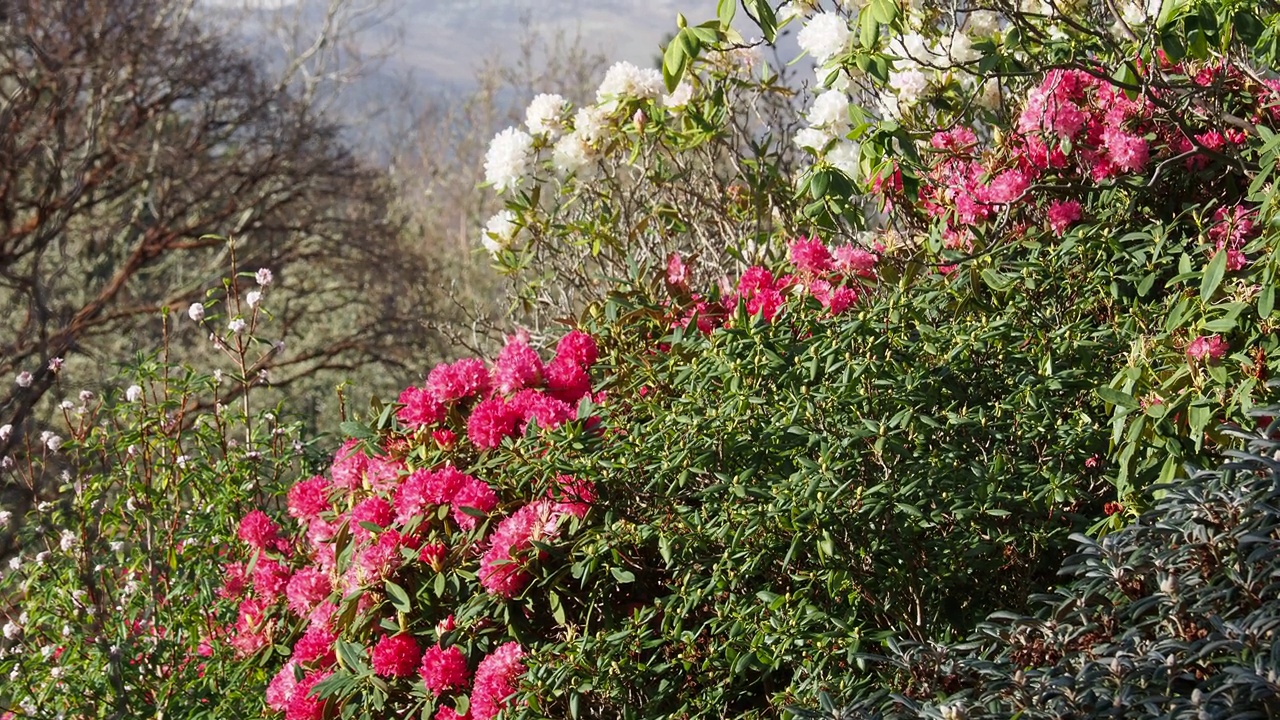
(1175, 615)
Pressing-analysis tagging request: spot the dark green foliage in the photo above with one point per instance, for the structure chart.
(1173, 616)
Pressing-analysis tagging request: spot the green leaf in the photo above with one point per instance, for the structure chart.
(725, 11)
(884, 11)
(1267, 301)
(356, 430)
(1213, 275)
(764, 17)
(674, 61)
(622, 576)
(1111, 396)
(398, 597)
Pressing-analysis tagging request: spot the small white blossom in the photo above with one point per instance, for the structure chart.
(6, 463)
(12, 630)
(989, 95)
(625, 80)
(134, 393)
(545, 115)
(812, 139)
(182, 460)
(264, 277)
(237, 325)
(508, 159)
(679, 97)
(55, 364)
(830, 110)
(86, 396)
(590, 124)
(44, 505)
(824, 36)
(15, 562)
(5, 518)
(42, 557)
(24, 379)
(961, 49)
(116, 546)
(66, 630)
(5, 432)
(51, 441)
(196, 312)
(69, 541)
(253, 299)
(983, 23)
(844, 157)
(499, 232)
(66, 405)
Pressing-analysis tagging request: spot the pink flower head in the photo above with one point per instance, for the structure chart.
(474, 494)
(444, 669)
(548, 411)
(315, 646)
(269, 578)
(1211, 347)
(567, 379)
(250, 632)
(433, 554)
(957, 139)
(463, 379)
(233, 582)
(495, 682)
(445, 438)
(303, 705)
(396, 655)
(306, 589)
(309, 498)
(447, 713)
(373, 510)
(348, 466)
(754, 280)
(810, 256)
(766, 303)
(677, 273)
(836, 298)
(578, 347)
(1127, 152)
(1008, 187)
(850, 259)
(518, 366)
(502, 570)
(1062, 215)
(382, 474)
(1054, 106)
(573, 496)
(282, 686)
(421, 409)
(423, 490)
(490, 422)
(1232, 227)
(380, 560)
(258, 531)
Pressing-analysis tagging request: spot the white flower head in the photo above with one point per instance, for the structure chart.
(253, 299)
(961, 50)
(86, 396)
(15, 562)
(6, 431)
(499, 231)
(590, 124)
(824, 36)
(844, 157)
(5, 518)
(196, 312)
(983, 23)
(989, 95)
(237, 325)
(507, 162)
(52, 441)
(545, 115)
(830, 110)
(679, 97)
(625, 80)
(12, 630)
(66, 405)
(571, 154)
(264, 277)
(55, 364)
(134, 393)
(43, 557)
(812, 139)
(69, 541)
(24, 379)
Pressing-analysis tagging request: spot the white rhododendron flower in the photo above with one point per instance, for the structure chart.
(844, 157)
(983, 23)
(499, 232)
(961, 49)
(812, 139)
(824, 36)
(624, 80)
(680, 96)
(196, 312)
(570, 154)
(24, 379)
(989, 95)
(830, 110)
(590, 124)
(545, 115)
(508, 159)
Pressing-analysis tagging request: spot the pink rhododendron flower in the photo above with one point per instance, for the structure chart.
(380, 560)
(348, 466)
(567, 379)
(518, 366)
(433, 554)
(269, 578)
(572, 495)
(1062, 215)
(306, 589)
(550, 412)
(495, 681)
(373, 510)
(677, 273)
(1236, 260)
(956, 139)
(233, 582)
(754, 280)
(258, 531)
(578, 347)
(474, 494)
(282, 686)
(315, 647)
(309, 498)
(1211, 347)
(766, 303)
(1232, 227)
(423, 490)
(447, 713)
(443, 669)
(490, 422)
(445, 438)
(463, 379)
(382, 474)
(1127, 152)
(303, 705)
(249, 634)
(502, 570)
(809, 255)
(396, 655)
(855, 260)
(836, 298)
(1008, 187)
(421, 408)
